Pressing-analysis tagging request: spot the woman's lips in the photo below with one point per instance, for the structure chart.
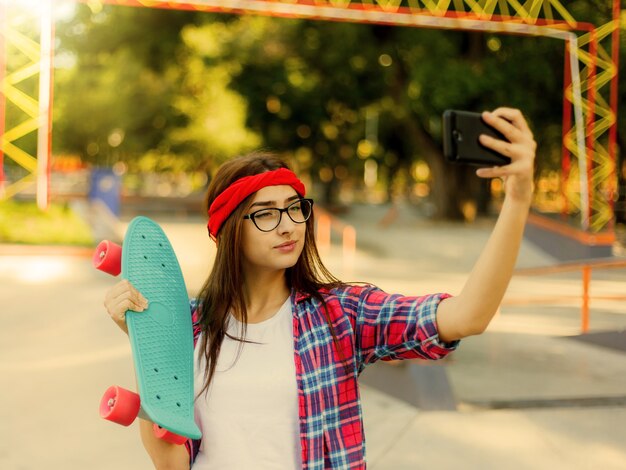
(286, 247)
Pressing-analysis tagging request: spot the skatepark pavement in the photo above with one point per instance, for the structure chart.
(528, 394)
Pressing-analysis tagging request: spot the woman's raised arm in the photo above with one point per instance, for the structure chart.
(470, 312)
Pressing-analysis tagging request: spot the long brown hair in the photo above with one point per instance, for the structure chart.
(222, 292)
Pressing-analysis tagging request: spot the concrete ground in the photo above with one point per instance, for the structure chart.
(529, 395)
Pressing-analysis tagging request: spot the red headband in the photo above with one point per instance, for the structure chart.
(231, 197)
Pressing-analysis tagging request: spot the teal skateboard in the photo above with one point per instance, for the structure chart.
(161, 336)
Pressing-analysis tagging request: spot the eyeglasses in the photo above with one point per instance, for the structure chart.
(267, 220)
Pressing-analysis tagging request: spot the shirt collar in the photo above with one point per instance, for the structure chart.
(299, 296)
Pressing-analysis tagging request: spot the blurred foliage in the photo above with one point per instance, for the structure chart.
(188, 90)
(24, 222)
(113, 89)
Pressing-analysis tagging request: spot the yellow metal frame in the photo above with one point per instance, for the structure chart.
(13, 40)
(597, 72)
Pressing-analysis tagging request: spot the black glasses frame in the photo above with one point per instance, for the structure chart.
(281, 211)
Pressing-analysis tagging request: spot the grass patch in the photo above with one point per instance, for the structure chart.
(23, 222)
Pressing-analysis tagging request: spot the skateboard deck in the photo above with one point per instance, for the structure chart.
(161, 336)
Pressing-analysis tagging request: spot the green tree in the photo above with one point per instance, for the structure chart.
(312, 84)
(112, 91)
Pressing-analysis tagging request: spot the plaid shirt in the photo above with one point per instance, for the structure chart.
(369, 325)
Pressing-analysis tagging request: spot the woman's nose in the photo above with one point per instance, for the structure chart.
(286, 225)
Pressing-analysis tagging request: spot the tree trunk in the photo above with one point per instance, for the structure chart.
(453, 186)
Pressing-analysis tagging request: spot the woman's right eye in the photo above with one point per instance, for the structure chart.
(263, 215)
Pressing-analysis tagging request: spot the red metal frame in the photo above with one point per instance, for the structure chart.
(613, 103)
(398, 11)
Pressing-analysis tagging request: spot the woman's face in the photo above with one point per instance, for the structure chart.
(279, 248)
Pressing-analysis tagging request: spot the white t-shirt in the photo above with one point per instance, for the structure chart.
(249, 416)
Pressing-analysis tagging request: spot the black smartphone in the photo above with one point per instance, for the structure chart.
(460, 139)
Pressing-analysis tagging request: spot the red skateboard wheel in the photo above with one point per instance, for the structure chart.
(119, 405)
(168, 436)
(108, 257)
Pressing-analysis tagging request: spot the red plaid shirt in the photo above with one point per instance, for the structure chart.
(369, 325)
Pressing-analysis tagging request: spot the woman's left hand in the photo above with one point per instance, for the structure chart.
(520, 148)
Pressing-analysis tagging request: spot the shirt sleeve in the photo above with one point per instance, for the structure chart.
(392, 326)
(193, 445)
(194, 305)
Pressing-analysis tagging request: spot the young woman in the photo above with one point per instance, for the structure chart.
(280, 342)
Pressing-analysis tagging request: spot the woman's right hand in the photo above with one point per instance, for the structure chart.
(120, 298)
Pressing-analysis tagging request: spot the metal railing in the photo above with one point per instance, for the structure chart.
(585, 267)
(326, 223)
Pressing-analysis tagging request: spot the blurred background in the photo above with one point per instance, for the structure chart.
(157, 99)
(148, 102)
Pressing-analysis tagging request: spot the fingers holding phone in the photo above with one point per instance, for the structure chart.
(511, 124)
(519, 146)
(461, 144)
